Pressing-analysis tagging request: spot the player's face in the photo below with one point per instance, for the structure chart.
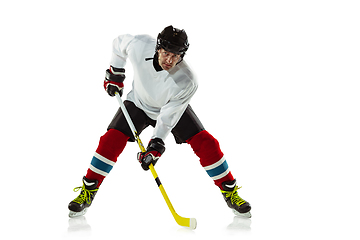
(167, 60)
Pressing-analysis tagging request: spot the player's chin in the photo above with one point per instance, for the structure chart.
(166, 66)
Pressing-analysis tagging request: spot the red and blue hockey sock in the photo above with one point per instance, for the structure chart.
(207, 148)
(111, 145)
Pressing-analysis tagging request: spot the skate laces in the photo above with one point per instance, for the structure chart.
(85, 195)
(234, 197)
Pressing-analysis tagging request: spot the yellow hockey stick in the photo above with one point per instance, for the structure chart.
(185, 222)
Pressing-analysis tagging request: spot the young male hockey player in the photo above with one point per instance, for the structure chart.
(162, 88)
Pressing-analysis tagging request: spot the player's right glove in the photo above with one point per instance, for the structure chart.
(114, 78)
(152, 154)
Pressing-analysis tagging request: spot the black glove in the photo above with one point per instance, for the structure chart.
(114, 78)
(153, 152)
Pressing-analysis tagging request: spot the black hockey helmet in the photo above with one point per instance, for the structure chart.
(173, 40)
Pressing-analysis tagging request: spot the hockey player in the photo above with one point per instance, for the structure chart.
(162, 88)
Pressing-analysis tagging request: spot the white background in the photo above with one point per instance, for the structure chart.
(279, 89)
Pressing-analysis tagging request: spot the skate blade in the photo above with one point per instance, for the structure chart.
(77, 214)
(245, 215)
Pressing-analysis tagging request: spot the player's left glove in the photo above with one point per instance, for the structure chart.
(153, 152)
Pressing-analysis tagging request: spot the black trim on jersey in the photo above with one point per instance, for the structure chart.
(156, 64)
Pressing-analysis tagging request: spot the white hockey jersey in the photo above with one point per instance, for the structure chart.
(162, 95)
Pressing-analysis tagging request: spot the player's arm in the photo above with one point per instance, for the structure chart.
(115, 75)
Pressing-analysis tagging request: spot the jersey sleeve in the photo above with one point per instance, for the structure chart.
(120, 49)
(171, 112)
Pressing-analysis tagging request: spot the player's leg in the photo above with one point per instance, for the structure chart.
(207, 148)
(189, 129)
(111, 145)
